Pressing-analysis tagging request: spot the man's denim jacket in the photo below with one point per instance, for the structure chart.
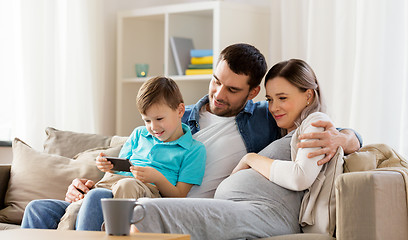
(255, 124)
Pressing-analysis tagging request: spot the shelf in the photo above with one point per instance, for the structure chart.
(175, 78)
(143, 36)
(5, 143)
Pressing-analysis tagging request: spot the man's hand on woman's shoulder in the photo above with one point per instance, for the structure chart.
(329, 140)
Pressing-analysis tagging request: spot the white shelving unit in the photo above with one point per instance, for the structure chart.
(143, 36)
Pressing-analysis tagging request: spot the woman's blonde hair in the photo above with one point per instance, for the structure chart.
(302, 76)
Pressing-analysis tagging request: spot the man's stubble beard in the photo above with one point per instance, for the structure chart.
(227, 112)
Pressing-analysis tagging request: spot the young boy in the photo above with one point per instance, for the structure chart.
(166, 160)
(163, 153)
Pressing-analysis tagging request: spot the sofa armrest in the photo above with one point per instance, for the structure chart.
(371, 205)
(4, 179)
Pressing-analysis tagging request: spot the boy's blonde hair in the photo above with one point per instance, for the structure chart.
(158, 90)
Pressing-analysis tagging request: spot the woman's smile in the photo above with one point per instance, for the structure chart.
(277, 117)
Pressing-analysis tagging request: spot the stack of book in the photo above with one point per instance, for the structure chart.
(201, 62)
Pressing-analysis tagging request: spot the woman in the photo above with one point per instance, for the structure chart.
(263, 195)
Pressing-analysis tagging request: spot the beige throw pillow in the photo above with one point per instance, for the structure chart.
(69, 144)
(91, 154)
(118, 141)
(37, 175)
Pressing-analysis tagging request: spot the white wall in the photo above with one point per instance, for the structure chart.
(111, 7)
(359, 53)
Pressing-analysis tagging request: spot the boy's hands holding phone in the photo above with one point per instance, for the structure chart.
(103, 164)
(146, 174)
(151, 175)
(112, 164)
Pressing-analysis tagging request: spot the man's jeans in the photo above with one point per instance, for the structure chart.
(46, 213)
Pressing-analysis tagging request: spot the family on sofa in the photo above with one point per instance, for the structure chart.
(274, 192)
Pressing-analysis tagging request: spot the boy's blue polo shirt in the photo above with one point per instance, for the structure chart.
(182, 160)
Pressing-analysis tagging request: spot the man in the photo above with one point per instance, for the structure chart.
(229, 124)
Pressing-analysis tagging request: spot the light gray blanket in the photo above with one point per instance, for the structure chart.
(246, 206)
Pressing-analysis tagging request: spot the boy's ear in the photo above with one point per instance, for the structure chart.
(181, 109)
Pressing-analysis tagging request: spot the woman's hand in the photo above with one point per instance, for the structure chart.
(103, 164)
(255, 161)
(241, 165)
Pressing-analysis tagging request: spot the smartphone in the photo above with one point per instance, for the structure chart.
(119, 164)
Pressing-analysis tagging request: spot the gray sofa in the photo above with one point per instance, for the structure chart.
(4, 179)
(369, 204)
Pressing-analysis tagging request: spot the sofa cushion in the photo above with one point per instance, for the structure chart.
(69, 144)
(39, 175)
(8, 226)
(117, 141)
(373, 156)
(4, 179)
(91, 154)
(301, 236)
